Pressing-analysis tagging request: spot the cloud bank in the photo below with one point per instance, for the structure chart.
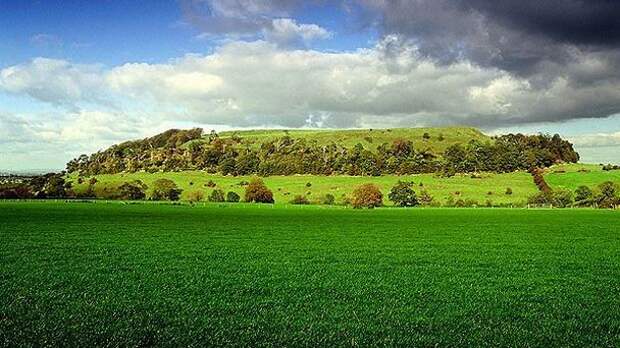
(259, 83)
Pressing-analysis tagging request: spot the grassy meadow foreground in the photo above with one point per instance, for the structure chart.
(141, 275)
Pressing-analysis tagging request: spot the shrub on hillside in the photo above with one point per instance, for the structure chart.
(346, 200)
(257, 192)
(609, 167)
(232, 197)
(328, 199)
(299, 199)
(460, 203)
(55, 186)
(134, 190)
(227, 166)
(608, 195)
(469, 203)
(508, 191)
(17, 191)
(165, 189)
(210, 183)
(540, 198)
(217, 195)
(403, 195)
(558, 198)
(562, 198)
(449, 201)
(367, 196)
(584, 195)
(425, 198)
(195, 196)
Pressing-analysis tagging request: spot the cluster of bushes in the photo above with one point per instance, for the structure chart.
(55, 186)
(51, 185)
(177, 150)
(609, 167)
(167, 190)
(216, 196)
(401, 195)
(605, 195)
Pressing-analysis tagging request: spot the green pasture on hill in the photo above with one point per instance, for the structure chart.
(571, 176)
(439, 138)
(480, 188)
(96, 274)
(487, 186)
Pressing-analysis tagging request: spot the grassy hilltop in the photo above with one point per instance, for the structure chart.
(437, 140)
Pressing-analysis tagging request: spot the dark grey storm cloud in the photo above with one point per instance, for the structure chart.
(517, 36)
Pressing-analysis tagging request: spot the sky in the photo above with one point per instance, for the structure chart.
(79, 76)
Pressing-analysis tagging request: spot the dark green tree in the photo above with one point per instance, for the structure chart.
(608, 195)
(583, 195)
(217, 195)
(56, 186)
(134, 190)
(232, 197)
(165, 189)
(402, 194)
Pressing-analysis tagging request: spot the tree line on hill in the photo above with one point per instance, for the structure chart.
(178, 150)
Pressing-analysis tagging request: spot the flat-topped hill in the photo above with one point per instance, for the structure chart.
(354, 152)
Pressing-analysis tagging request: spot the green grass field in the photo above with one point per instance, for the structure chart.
(571, 176)
(144, 274)
(286, 187)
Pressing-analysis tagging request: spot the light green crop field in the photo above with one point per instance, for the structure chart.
(96, 274)
(371, 138)
(488, 187)
(571, 176)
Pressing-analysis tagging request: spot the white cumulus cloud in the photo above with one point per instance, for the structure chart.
(287, 32)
